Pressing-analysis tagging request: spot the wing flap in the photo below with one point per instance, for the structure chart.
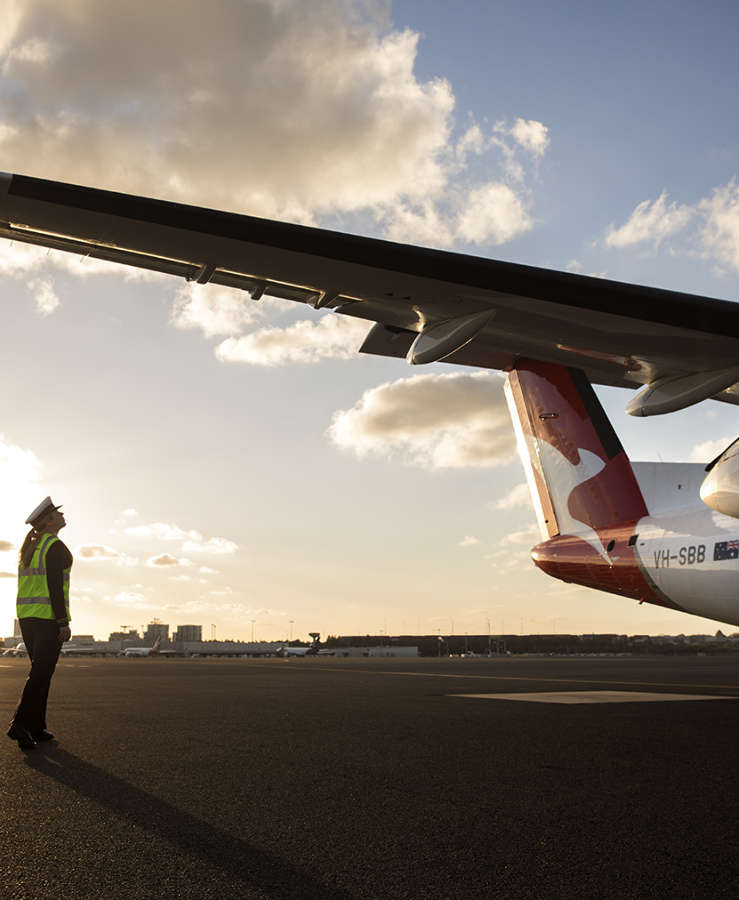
(189, 270)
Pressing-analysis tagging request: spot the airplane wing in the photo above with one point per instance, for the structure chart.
(425, 304)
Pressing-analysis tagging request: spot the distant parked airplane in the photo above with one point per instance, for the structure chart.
(143, 651)
(310, 650)
(79, 651)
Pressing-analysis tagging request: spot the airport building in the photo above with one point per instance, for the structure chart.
(382, 651)
(154, 630)
(230, 648)
(188, 633)
(130, 635)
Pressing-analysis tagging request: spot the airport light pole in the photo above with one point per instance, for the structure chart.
(252, 629)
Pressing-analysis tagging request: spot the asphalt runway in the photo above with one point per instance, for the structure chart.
(343, 778)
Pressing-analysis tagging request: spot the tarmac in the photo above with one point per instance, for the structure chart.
(354, 778)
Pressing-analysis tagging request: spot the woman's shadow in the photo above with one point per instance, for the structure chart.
(236, 858)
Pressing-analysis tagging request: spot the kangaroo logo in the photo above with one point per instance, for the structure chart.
(562, 478)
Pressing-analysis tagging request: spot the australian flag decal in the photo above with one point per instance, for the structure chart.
(726, 550)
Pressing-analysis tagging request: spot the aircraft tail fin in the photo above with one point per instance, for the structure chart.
(580, 477)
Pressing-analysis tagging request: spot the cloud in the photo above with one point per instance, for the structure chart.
(35, 51)
(525, 135)
(18, 261)
(707, 229)
(233, 608)
(331, 337)
(491, 213)
(494, 214)
(20, 474)
(192, 541)
(651, 222)
(524, 536)
(164, 559)
(517, 496)
(468, 541)
(217, 545)
(96, 551)
(472, 141)
(128, 600)
(430, 421)
(720, 231)
(709, 450)
(533, 136)
(6, 546)
(46, 297)
(218, 310)
(129, 513)
(345, 125)
(423, 223)
(8, 574)
(343, 121)
(163, 531)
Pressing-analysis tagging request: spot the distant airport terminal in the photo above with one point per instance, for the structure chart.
(187, 641)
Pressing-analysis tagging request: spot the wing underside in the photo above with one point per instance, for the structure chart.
(619, 334)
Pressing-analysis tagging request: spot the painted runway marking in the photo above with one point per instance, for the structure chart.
(314, 666)
(595, 697)
(677, 684)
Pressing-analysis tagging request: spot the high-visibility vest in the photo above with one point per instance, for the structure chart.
(33, 590)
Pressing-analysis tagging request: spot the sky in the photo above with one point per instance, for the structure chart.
(239, 465)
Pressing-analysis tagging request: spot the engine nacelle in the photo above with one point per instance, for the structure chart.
(720, 489)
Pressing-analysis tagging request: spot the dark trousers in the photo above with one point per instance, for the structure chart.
(41, 637)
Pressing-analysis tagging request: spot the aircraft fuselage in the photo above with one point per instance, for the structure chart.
(687, 560)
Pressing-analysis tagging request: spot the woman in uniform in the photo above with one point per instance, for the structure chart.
(43, 614)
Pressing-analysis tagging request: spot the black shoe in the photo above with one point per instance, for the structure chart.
(43, 735)
(22, 735)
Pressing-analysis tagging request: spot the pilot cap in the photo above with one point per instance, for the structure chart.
(41, 511)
